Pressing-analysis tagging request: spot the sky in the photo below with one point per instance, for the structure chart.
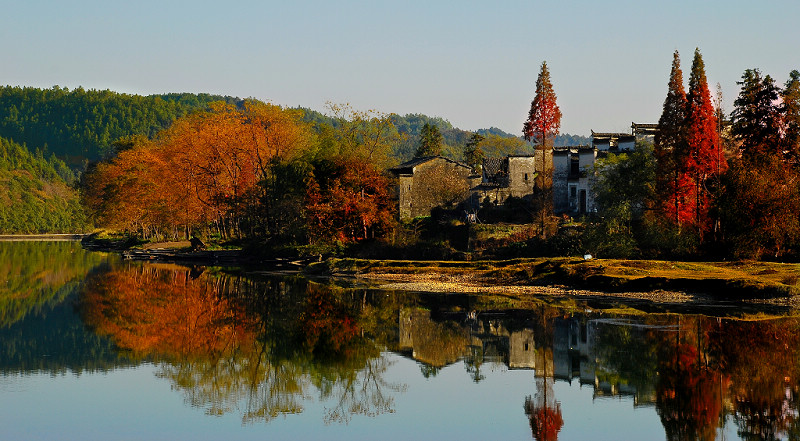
(473, 63)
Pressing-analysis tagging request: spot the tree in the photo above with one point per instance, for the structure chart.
(705, 159)
(347, 200)
(623, 189)
(670, 143)
(473, 153)
(544, 120)
(791, 115)
(756, 116)
(430, 141)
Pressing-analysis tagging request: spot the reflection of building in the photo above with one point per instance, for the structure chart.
(496, 338)
(575, 356)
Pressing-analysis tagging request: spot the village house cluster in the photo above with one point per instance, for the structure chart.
(434, 181)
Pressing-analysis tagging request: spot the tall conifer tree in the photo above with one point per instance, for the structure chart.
(705, 157)
(670, 143)
(756, 115)
(791, 115)
(542, 125)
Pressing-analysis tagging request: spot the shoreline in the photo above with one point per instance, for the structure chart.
(72, 237)
(658, 282)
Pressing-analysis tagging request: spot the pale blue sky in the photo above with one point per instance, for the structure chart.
(472, 63)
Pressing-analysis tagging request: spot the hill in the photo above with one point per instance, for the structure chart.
(38, 197)
(81, 125)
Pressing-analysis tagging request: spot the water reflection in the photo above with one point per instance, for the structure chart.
(260, 348)
(233, 344)
(39, 331)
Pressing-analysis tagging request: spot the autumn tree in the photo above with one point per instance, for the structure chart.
(203, 171)
(367, 134)
(670, 145)
(347, 200)
(430, 141)
(761, 192)
(542, 125)
(705, 159)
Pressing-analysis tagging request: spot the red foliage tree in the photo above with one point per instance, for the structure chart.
(544, 118)
(347, 200)
(705, 159)
(543, 123)
(670, 146)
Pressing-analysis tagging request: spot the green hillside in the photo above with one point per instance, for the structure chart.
(35, 193)
(79, 125)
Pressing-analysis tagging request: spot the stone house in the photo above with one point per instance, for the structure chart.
(502, 178)
(432, 181)
(572, 167)
(436, 181)
(572, 179)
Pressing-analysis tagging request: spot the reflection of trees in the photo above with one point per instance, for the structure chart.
(39, 330)
(752, 366)
(260, 348)
(39, 275)
(762, 360)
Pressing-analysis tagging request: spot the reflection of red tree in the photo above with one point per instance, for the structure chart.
(159, 311)
(544, 413)
(689, 395)
(546, 422)
(761, 358)
(327, 325)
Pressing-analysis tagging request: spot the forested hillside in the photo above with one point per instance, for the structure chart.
(79, 125)
(37, 196)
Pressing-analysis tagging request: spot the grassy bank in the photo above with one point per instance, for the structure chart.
(720, 280)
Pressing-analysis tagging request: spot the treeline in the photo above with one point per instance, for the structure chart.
(37, 196)
(79, 125)
(408, 131)
(711, 185)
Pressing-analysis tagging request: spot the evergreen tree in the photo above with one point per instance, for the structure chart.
(756, 115)
(473, 153)
(791, 115)
(705, 158)
(670, 143)
(430, 141)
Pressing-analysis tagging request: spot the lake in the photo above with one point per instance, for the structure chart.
(96, 348)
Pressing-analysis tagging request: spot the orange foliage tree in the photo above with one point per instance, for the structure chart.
(203, 170)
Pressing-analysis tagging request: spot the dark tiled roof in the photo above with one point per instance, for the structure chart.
(495, 171)
(408, 166)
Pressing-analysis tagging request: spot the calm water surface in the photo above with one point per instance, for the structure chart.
(92, 348)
